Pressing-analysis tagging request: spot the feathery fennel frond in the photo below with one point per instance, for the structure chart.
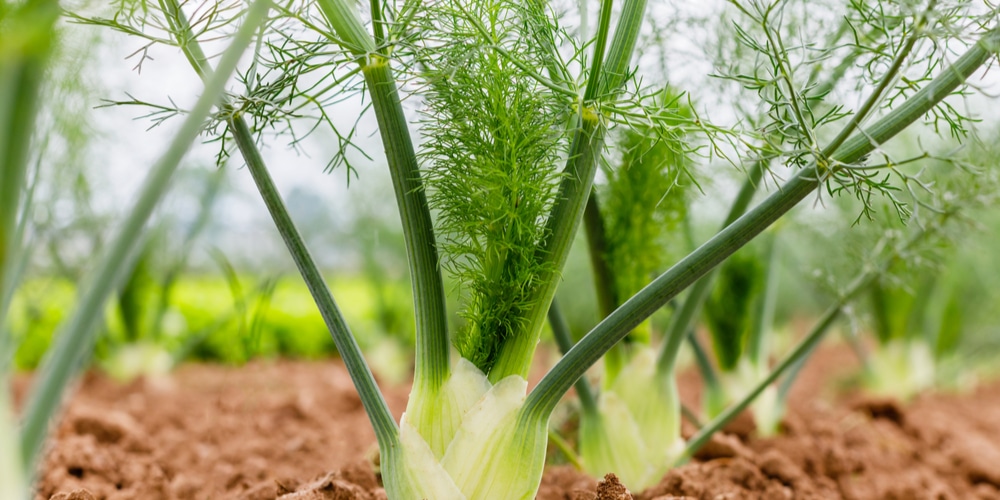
(493, 138)
(645, 201)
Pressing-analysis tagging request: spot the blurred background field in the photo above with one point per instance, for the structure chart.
(213, 282)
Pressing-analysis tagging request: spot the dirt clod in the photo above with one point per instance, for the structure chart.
(74, 495)
(611, 488)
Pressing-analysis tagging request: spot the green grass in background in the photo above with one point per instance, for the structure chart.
(204, 321)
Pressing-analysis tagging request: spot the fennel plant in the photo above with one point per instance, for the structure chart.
(515, 113)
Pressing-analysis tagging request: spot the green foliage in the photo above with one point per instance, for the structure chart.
(892, 307)
(135, 299)
(730, 311)
(494, 135)
(645, 201)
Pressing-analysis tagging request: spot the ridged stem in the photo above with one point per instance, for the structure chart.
(606, 334)
(375, 405)
(432, 346)
(432, 349)
(564, 219)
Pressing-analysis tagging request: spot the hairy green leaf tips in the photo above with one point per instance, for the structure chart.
(494, 136)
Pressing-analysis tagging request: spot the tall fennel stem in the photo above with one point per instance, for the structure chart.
(364, 381)
(561, 332)
(597, 244)
(600, 44)
(375, 406)
(22, 72)
(75, 343)
(566, 214)
(604, 285)
(432, 349)
(544, 398)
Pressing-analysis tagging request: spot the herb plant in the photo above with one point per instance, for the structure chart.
(516, 113)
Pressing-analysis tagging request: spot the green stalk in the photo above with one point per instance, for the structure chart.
(27, 35)
(375, 405)
(561, 332)
(361, 375)
(432, 349)
(682, 321)
(713, 395)
(564, 219)
(600, 44)
(73, 346)
(757, 346)
(343, 17)
(607, 333)
(795, 360)
(28, 30)
(604, 283)
(597, 244)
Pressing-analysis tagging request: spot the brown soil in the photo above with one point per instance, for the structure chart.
(276, 430)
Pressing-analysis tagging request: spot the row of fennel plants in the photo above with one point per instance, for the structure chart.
(516, 118)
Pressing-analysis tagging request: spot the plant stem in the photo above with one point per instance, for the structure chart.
(375, 405)
(364, 381)
(30, 28)
(682, 321)
(597, 243)
(561, 332)
(708, 374)
(607, 333)
(72, 348)
(600, 44)
(432, 349)
(564, 219)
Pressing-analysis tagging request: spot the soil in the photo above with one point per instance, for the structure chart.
(295, 430)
